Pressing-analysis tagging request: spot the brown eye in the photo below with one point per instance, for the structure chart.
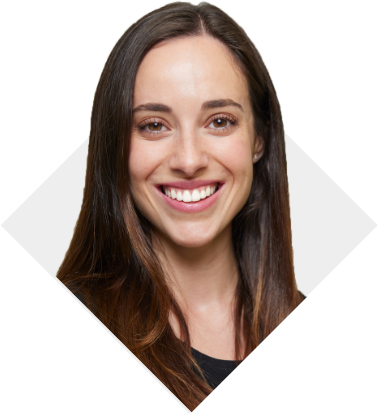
(155, 126)
(220, 123)
(150, 126)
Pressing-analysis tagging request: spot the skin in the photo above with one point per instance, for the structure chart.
(185, 145)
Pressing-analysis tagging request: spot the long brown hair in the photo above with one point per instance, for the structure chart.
(110, 261)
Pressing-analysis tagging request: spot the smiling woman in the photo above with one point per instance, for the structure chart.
(183, 243)
(193, 127)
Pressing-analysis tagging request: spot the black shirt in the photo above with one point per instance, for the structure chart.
(215, 370)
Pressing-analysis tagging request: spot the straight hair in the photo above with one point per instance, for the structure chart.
(111, 262)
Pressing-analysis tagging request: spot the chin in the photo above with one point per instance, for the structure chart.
(191, 243)
(193, 238)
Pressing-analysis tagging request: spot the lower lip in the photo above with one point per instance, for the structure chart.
(192, 207)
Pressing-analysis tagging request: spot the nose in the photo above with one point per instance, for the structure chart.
(188, 156)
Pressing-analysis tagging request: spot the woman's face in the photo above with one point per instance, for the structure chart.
(193, 140)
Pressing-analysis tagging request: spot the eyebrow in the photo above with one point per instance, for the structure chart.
(152, 107)
(220, 103)
(217, 103)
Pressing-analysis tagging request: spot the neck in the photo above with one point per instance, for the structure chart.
(201, 276)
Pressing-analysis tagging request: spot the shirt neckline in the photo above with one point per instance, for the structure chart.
(207, 358)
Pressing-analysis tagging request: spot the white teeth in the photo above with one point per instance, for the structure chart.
(196, 195)
(187, 196)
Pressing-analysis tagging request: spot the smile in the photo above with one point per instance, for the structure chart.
(190, 196)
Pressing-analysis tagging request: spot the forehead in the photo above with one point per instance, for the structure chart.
(196, 69)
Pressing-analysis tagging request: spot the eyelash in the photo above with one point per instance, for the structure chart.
(142, 126)
(233, 121)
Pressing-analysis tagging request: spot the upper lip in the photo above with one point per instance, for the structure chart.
(189, 185)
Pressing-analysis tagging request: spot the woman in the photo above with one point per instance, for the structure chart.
(183, 244)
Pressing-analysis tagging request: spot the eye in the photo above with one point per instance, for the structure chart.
(155, 126)
(152, 126)
(221, 122)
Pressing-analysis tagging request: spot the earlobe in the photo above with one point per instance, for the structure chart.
(258, 149)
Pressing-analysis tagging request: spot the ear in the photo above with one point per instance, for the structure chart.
(258, 149)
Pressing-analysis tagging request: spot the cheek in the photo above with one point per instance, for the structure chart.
(146, 161)
(236, 157)
(144, 158)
